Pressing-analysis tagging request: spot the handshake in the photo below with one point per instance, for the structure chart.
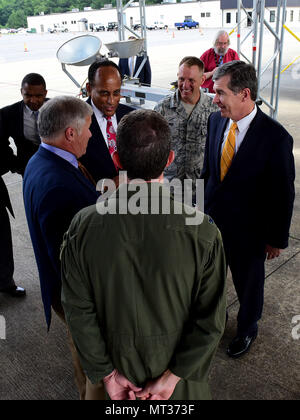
(120, 388)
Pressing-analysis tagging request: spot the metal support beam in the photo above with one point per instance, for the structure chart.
(259, 24)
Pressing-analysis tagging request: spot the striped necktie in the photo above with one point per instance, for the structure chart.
(228, 151)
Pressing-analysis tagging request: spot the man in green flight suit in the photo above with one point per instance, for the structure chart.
(143, 279)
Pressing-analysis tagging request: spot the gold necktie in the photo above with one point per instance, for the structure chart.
(86, 173)
(228, 151)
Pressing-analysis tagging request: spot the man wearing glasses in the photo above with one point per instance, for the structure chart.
(215, 57)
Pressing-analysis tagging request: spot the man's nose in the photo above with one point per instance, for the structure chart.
(186, 84)
(34, 99)
(110, 99)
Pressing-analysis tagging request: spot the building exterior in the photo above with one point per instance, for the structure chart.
(229, 12)
(210, 14)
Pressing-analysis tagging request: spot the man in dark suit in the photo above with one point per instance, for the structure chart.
(129, 67)
(19, 121)
(104, 89)
(54, 190)
(7, 283)
(249, 189)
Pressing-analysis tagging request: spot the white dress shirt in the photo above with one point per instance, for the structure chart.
(30, 125)
(102, 121)
(131, 65)
(241, 131)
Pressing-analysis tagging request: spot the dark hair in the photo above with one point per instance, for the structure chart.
(101, 63)
(192, 61)
(242, 76)
(143, 144)
(33, 79)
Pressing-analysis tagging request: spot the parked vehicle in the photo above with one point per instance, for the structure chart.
(136, 26)
(112, 26)
(55, 30)
(187, 24)
(157, 25)
(99, 27)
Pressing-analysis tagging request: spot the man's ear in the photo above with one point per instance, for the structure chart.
(246, 94)
(69, 134)
(116, 160)
(170, 158)
(88, 88)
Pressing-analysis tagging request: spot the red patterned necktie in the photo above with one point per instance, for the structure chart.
(111, 137)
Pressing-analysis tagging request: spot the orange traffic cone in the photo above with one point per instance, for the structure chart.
(173, 34)
(25, 48)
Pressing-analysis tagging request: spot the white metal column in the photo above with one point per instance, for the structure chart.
(259, 24)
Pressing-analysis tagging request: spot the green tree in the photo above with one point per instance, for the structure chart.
(17, 19)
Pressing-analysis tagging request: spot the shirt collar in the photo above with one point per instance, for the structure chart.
(68, 156)
(244, 123)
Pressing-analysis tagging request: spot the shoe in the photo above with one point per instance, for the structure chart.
(14, 291)
(240, 345)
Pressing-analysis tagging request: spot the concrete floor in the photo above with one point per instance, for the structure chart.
(36, 365)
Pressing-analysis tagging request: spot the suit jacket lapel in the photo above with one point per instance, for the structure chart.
(20, 119)
(249, 138)
(218, 143)
(97, 142)
(248, 144)
(137, 63)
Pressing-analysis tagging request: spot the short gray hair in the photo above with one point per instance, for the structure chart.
(61, 112)
(220, 33)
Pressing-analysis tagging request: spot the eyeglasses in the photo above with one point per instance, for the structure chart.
(222, 43)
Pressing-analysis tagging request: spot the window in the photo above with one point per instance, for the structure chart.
(228, 17)
(207, 14)
(202, 14)
(272, 15)
(291, 15)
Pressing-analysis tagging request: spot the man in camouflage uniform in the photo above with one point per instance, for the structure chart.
(187, 111)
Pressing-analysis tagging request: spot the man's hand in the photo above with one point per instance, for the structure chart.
(272, 252)
(210, 74)
(118, 387)
(161, 388)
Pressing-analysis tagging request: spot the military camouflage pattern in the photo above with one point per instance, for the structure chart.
(188, 135)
